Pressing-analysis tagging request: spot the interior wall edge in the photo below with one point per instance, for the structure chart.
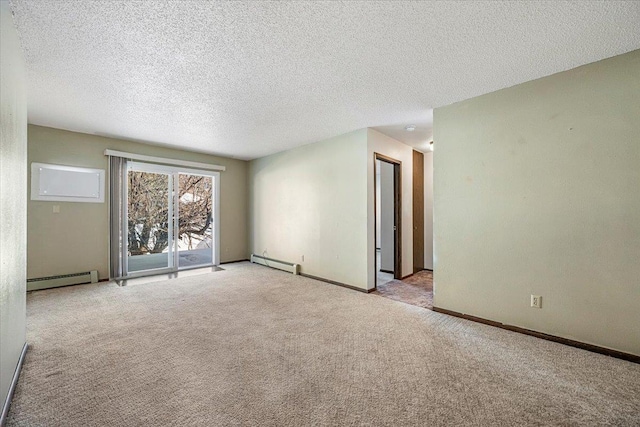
(13, 202)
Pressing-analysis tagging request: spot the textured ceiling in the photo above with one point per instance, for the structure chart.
(246, 79)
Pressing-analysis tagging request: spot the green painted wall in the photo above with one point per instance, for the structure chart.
(77, 238)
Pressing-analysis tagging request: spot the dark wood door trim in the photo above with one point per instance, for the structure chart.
(397, 214)
(382, 157)
(418, 211)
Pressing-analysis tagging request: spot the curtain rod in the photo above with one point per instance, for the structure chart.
(164, 161)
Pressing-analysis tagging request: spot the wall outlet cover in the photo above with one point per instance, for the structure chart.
(536, 301)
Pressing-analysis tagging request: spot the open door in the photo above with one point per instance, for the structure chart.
(388, 227)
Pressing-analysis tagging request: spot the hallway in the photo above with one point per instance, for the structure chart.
(415, 290)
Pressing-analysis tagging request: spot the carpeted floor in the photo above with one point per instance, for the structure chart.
(253, 346)
(415, 290)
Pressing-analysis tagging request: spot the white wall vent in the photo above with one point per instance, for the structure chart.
(66, 183)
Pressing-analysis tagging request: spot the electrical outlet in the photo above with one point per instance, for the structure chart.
(536, 301)
(302, 258)
(56, 208)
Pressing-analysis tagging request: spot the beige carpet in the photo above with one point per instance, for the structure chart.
(253, 346)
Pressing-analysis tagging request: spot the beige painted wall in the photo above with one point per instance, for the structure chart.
(382, 144)
(13, 203)
(77, 239)
(537, 191)
(311, 201)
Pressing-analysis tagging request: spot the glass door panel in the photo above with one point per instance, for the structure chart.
(195, 220)
(149, 217)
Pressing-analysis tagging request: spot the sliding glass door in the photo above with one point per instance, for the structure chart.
(171, 219)
(195, 223)
(149, 221)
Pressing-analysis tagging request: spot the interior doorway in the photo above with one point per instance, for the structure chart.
(170, 218)
(388, 227)
(417, 288)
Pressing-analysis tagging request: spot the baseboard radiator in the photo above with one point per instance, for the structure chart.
(274, 263)
(62, 280)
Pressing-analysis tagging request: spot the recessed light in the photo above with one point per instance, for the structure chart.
(410, 128)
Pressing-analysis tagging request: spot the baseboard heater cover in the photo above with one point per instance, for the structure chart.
(274, 263)
(62, 280)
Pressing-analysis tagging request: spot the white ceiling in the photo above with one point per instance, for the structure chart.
(247, 79)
